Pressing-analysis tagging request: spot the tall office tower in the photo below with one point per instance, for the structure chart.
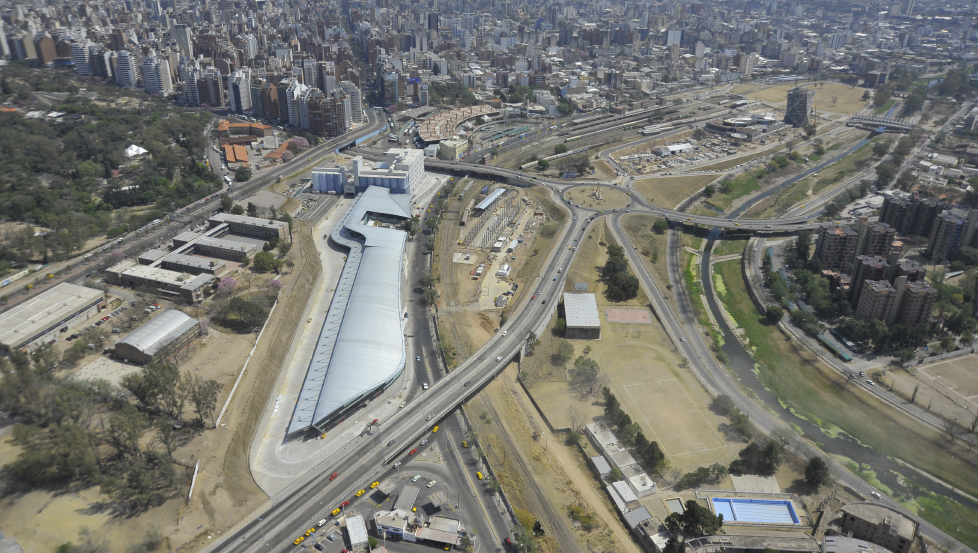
(250, 46)
(257, 110)
(239, 90)
(907, 7)
(81, 57)
(101, 60)
(283, 101)
(432, 21)
(876, 300)
(269, 100)
(836, 246)
(356, 100)
(21, 46)
(188, 90)
(866, 268)
(126, 74)
(292, 96)
(46, 49)
(4, 47)
(674, 36)
(117, 39)
(183, 34)
(210, 87)
(799, 109)
(156, 75)
(314, 108)
(554, 15)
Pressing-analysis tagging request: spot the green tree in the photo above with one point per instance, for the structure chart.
(947, 343)
(237, 210)
(660, 226)
(774, 313)
(709, 191)
(265, 262)
(226, 203)
(722, 405)
(560, 149)
(882, 147)
(242, 174)
(816, 472)
(543, 164)
(252, 210)
(563, 354)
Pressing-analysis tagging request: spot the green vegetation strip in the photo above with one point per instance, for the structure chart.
(820, 394)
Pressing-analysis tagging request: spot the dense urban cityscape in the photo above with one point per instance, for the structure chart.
(329, 276)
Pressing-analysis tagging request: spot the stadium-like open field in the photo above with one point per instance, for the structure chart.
(955, 376)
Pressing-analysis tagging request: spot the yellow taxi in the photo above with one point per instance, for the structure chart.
(336, 511)
(299, 540)
(479, 474)
(435, 429)
(374, 485)
(736, 224)
(361, 492)
(310, 531)
(465, 444)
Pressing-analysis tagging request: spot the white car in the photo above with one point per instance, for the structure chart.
(505, 332)
(500, 358)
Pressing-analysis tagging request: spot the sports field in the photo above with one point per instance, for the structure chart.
(954, 377)
(680, 425)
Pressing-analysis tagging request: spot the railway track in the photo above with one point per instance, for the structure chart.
(450, 227)
(553, 523)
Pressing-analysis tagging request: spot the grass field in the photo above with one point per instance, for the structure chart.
(668, 192)
(727, 247)
(611, 198)
(590, 256)
(653, 250)
(811, 186)
(848, 100)
(741, 185)
(727, 164)
(816, 392)
(885, 107)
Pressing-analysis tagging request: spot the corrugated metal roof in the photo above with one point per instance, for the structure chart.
(491, 198)
(361, 345)
(37, 314)
(356, 528)
(160, 331)
(581, 310)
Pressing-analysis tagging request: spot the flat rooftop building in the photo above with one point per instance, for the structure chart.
(400, 173)
(194, 265)
(879, 524)
(184, 285)
(266, 229)
(583, 320)
(224, 249)
(39, 319)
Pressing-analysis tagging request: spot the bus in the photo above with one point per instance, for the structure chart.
(227, 180)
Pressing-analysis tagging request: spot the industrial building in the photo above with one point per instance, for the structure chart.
(224, 249)
(400, 173)
(265, 229)
(40, 319)
(606, 443)
(581, 314)
(171, 283)
(194, 265)
(361, 350)
(160, 338)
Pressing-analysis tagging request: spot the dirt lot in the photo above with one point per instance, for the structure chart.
(849, 99)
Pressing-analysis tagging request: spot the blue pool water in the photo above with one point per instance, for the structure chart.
(766, 511)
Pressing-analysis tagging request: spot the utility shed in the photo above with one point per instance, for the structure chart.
(161, 337)
(581, 312)
(356, 532)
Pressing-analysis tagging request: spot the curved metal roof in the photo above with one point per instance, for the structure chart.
(158, 332)
(361, 345)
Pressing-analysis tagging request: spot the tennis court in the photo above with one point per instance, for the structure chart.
(763, 511)
(629, 316)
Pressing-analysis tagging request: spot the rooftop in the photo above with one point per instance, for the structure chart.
(361, 344)
(245, 220)
(37, 314)
(201, 263)
(581, 310)
(493, 196)
(160, 331)
(876, 513)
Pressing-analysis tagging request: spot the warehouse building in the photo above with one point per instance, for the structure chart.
(40, 319)
(171, 283)
(160, 338)
(581, 314)
(265, 229)
(224, 249)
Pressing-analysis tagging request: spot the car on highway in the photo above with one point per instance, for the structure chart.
(412, 452)
(544, 302)
(417, 358)
(401, 406)
(435, 429)
(390, 443)
(424, 385)
(359, 493)
(416, 478)
(374, 485)
(310, 531)
(429, 417)
(533, 297)
(479, 475)
(505, 332)
(467, 382)
(432, 483)
(333, 476)
(871, 383)
(465, 443)
(500, 358)
(299, 540)
(336, 511)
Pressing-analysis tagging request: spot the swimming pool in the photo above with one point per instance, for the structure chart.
(764, 511)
